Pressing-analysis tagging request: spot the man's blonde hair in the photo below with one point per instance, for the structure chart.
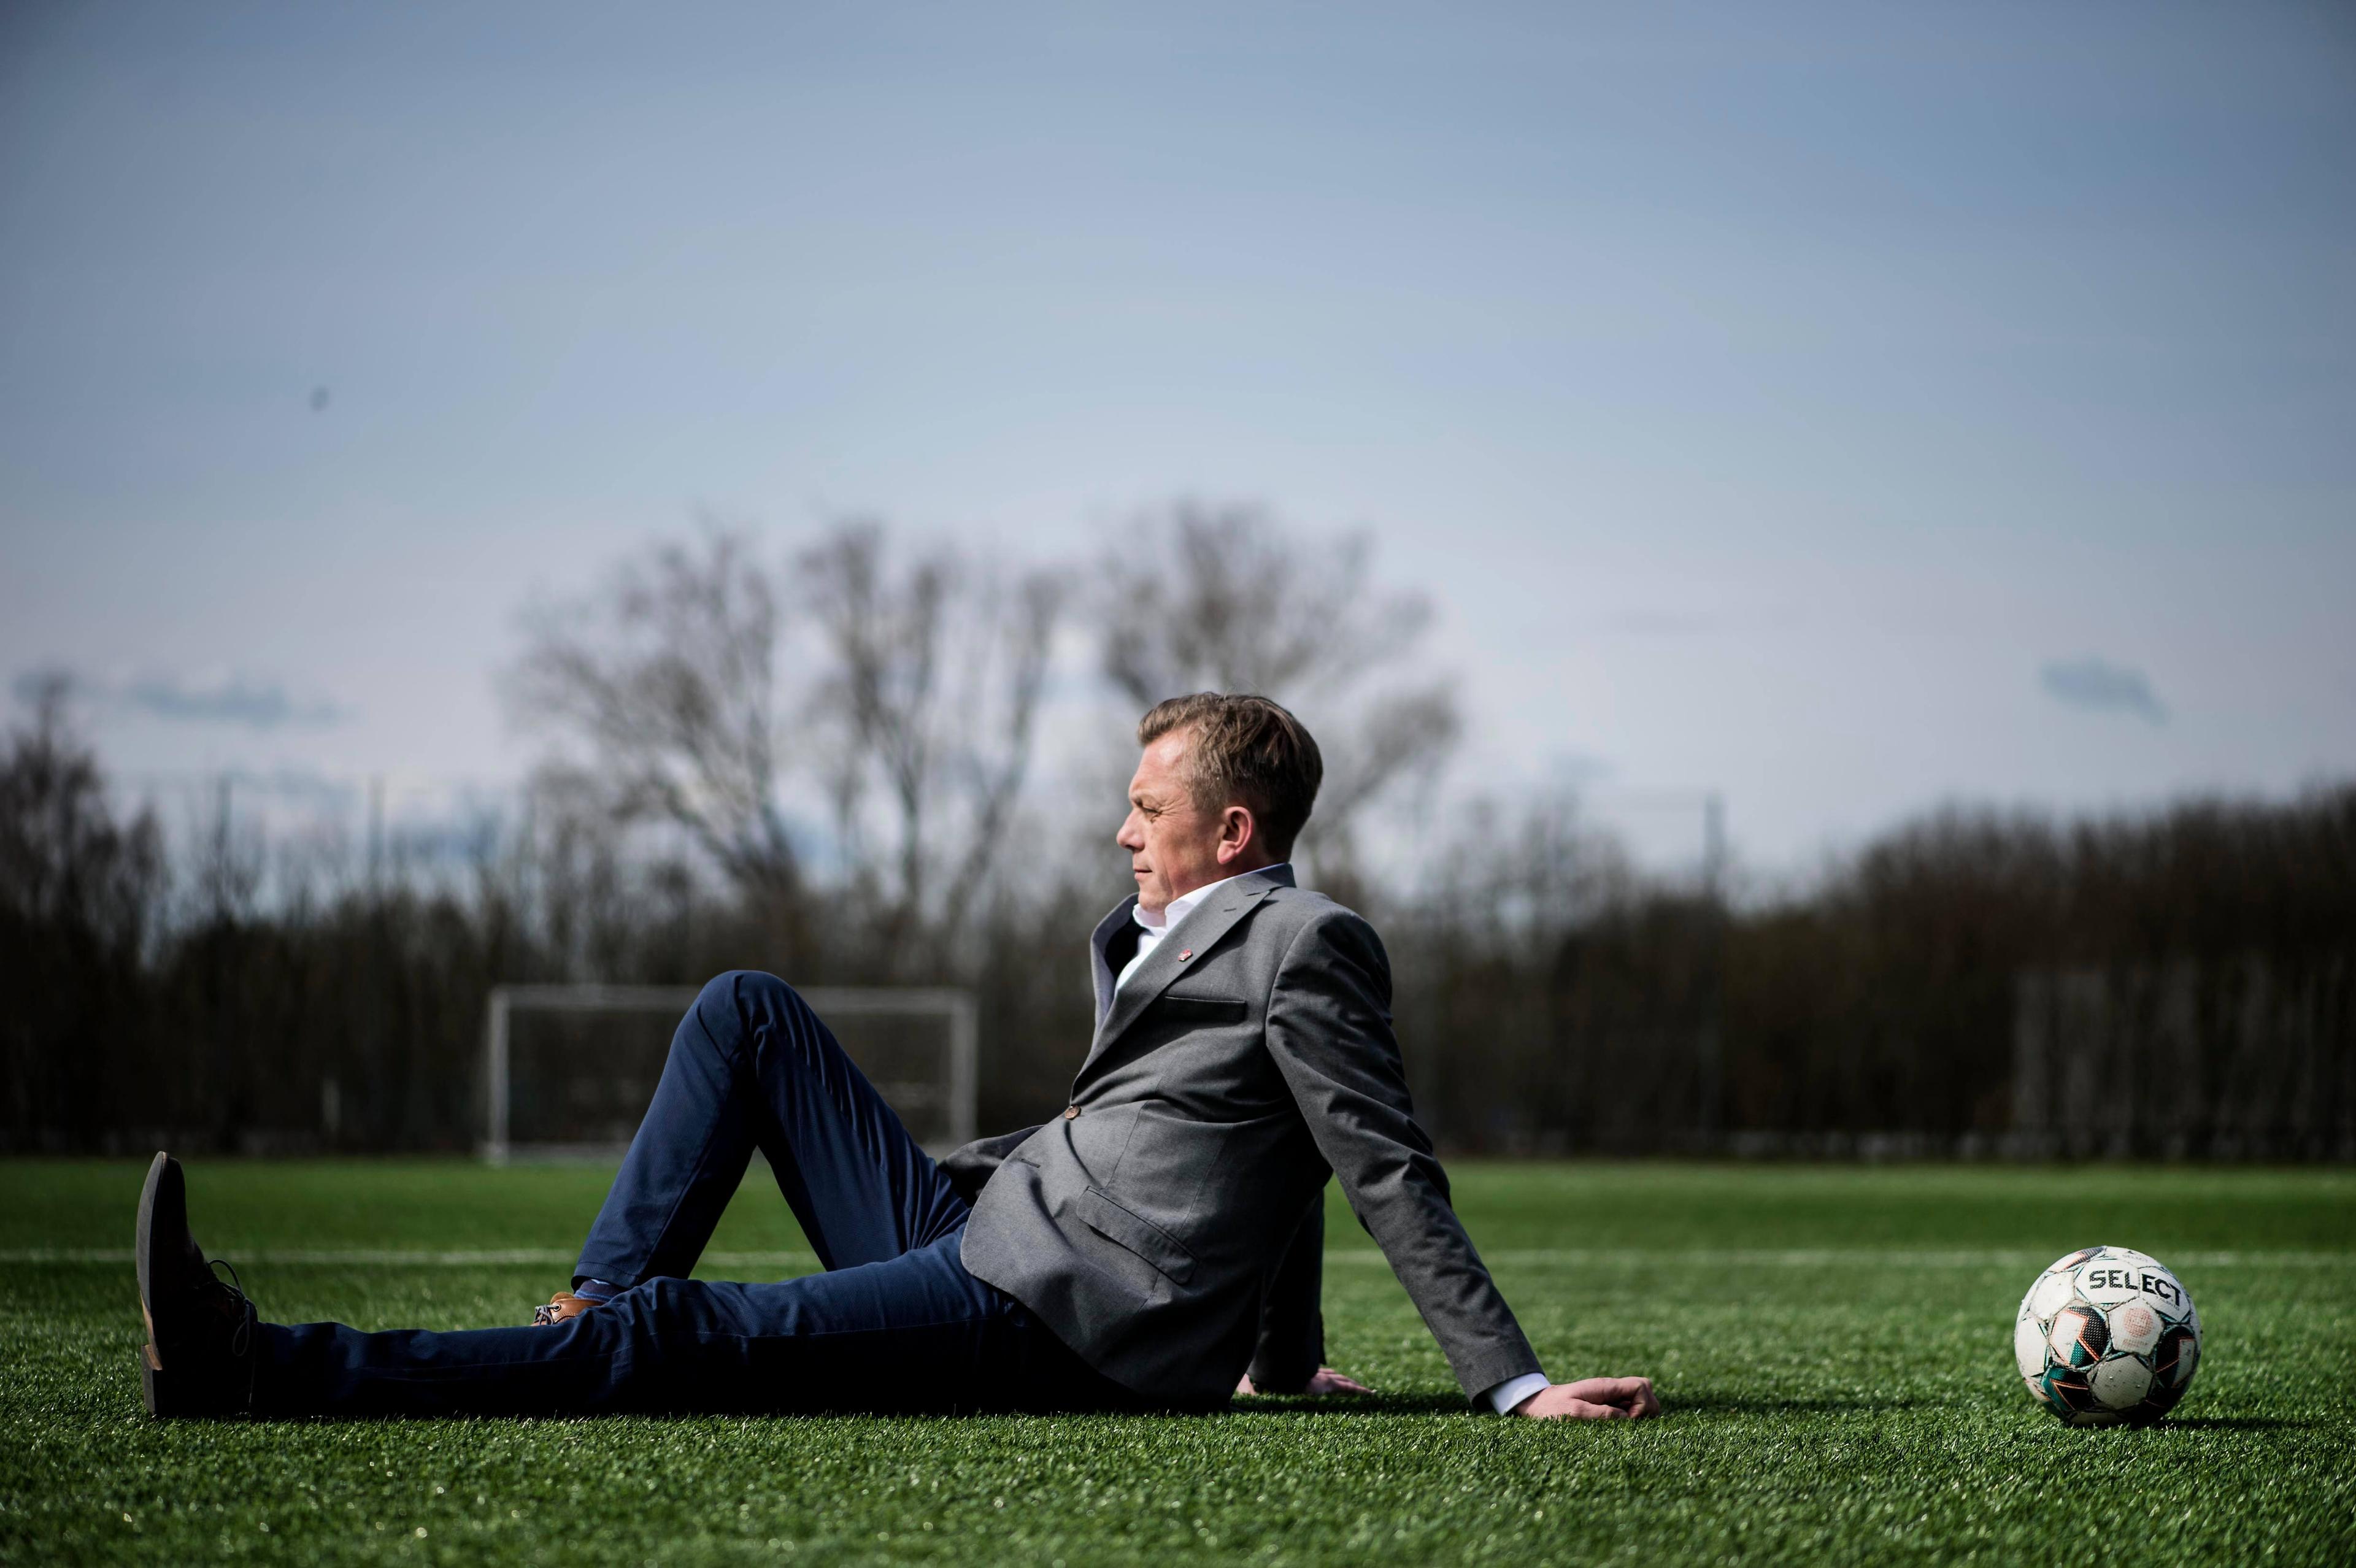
(1246, 750)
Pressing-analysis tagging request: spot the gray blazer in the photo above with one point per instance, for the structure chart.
(1166, 1226)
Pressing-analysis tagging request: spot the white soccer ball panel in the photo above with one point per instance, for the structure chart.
(2166, 1291)
(2028, 1349)
(2050, 1295)
(2121, 1383)
(2135, 1327)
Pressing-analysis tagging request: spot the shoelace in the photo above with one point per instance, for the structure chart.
(233, 1299)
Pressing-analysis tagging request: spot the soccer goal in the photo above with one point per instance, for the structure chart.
(568, 1070)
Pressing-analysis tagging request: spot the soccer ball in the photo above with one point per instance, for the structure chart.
(2108, 1335)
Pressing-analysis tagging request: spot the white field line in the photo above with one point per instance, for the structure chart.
(1535, 1257)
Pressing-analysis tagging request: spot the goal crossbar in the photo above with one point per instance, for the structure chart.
(956, 1006)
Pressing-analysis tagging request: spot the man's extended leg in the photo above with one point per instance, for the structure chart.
(913, 1333)
(751, 1066)
(896, 1323)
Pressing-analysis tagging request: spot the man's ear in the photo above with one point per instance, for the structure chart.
(1237, 832)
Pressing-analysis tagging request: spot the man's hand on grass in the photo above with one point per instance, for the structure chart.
(1322, 1382)
(1592, 1399)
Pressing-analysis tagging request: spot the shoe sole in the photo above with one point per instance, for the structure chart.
(164, 1184)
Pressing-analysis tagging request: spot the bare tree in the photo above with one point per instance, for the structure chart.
(935, 668)
(667, 675)
(64, 859)
(917, 701)
(1223, 597)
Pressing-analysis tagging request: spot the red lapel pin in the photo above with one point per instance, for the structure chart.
(1185, 953)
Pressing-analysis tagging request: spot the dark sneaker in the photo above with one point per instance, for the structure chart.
(199, 1358)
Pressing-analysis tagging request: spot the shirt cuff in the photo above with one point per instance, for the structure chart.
(1511, 1392)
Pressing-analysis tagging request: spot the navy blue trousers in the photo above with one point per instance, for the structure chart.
(896, 1323)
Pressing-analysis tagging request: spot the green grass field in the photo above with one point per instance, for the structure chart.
(1832, 1343)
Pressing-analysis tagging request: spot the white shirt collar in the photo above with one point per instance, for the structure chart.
(1151, 932)
(1186, 905)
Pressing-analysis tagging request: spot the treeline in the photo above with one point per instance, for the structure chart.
(2181, 984)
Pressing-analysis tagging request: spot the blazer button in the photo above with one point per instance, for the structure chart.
(1070, 1112)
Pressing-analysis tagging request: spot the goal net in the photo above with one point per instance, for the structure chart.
(568, 1070)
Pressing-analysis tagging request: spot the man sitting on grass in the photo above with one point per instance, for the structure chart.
(1145, 1250)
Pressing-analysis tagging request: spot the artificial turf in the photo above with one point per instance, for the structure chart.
(1832, 1345)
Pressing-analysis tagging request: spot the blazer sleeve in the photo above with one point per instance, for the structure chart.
(970, 1165)
(1329, 1030)
(1291, 1325)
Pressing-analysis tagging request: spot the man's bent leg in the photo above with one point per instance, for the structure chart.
(750, 1066)
(915, 1333)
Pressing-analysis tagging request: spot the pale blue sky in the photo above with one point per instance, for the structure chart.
(1851, 408)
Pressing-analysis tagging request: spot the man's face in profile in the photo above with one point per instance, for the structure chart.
(1172, 843)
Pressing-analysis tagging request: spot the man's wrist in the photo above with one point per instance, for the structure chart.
(1513, 1390)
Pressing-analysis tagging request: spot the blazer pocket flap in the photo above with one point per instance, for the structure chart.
(1201, 1009)
(1139, 1235)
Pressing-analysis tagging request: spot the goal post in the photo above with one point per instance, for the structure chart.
(934, 1086)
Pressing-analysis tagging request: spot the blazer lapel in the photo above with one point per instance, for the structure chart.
(1099, 941)
(1198, 932)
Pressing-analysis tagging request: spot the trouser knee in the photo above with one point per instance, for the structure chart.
(749, 1009)
(756, 988)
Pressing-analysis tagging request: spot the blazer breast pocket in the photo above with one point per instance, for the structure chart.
(1139, 1235)
(1182, 1008)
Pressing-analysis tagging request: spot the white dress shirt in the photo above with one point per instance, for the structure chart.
(1151, 929)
